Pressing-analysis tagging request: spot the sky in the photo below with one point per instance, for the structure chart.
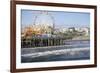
(59, 18)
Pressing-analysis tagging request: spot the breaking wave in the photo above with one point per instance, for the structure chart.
(69, 52)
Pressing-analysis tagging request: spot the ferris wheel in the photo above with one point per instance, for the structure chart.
(44, 18)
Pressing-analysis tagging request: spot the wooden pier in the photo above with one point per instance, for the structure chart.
(41, 42)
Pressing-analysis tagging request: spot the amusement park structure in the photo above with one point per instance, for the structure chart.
(41, 33)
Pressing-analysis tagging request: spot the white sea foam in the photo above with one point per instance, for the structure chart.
(56, 52)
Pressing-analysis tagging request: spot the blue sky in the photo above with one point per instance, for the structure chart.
(61, 19)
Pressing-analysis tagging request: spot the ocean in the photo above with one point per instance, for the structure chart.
(72, 50)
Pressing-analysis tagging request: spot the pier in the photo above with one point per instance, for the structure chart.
(41, 42)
